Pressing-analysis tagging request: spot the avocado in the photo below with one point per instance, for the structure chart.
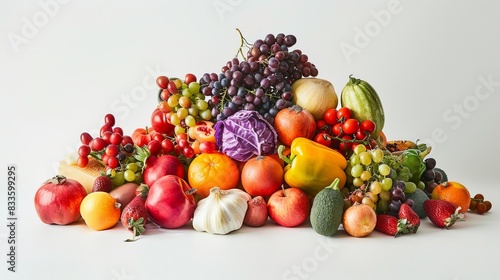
(327, 209)
(418, 197)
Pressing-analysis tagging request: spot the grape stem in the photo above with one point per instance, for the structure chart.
(243, 42)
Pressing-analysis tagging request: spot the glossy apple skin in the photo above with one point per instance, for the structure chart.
(170, 202)
(58, 202)
(289, 207)
(157, 167)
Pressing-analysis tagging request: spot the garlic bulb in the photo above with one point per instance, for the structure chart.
(222, 211)
(315, 95)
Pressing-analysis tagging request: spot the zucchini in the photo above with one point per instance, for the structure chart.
(363, 101)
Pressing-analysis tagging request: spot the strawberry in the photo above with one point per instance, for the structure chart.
(391, 225)
(134, 216)
(412, 219)
(442, 213)
(102, 183)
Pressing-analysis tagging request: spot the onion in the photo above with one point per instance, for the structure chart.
(257, 212)
(315, 95)
(359, 220)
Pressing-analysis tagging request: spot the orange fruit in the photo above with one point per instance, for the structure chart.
(209, 170)
(453, 192)
(100, 210)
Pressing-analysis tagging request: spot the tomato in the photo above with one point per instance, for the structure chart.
(160, 123)
(189, 78)
(343, 114)
(142, 136)
(337, 130)
(162, 82)
(367, 126)
(324, 139)
(350, 126)
(330, 116)
(322, 126)
(345, 145)
(58, 201)
(360, 135)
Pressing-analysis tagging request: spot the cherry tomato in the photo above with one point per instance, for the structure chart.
(323, 139)
(350, 126)
(345, 145)
(367, 126)
(162, 82)
(360, 135)
(322, 126)
(189, 78)
(337, 130)
(330, 116)
(343, 114)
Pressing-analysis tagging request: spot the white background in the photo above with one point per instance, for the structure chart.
(65, 64)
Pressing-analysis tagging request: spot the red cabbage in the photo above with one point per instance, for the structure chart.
(244, 135)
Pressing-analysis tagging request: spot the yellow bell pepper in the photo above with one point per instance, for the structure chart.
(312, 166)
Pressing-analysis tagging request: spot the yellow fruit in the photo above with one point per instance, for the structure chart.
(100, 210)
(453, 192)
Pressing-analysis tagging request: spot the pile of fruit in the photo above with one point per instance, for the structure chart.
(263, 139)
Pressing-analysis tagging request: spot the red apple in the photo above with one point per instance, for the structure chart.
(58, 201)
(289, 207)
(170, 202)
(157, 167)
